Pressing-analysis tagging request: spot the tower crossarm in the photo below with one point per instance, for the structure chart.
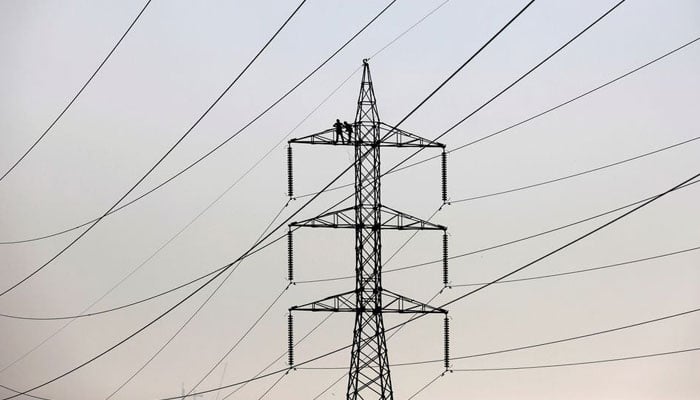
(395, 137)
(391, 219)
(328, 137)
(390, 137)
(396, 303)
(344, 218)
(391, 303)
(343, 302)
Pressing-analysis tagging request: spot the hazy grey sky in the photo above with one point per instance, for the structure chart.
(178, 58)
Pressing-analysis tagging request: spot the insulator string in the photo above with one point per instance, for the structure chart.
(447, 342)
(290, 178)
(290, 257)
(444, 176)
(445, 258)
(290, 339)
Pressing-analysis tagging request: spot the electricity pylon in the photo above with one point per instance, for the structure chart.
(369, 374)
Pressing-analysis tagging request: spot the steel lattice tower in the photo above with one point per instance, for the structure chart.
(369, 374)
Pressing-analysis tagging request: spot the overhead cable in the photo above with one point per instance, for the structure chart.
(220, 145)
(80, 91)
(571, 364)
(160, 160)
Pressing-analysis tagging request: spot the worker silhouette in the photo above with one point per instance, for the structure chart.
(338, 131)
(348, 130)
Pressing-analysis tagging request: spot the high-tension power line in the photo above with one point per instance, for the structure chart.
(197, 311)
(532, 236)
(571, 364)
(590, 269)
(162, 158)
(574, 175)
(80, 91)
(515, 82)
(560, 105)
(542, 366)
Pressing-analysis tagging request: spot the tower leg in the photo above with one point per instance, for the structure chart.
(369, 376)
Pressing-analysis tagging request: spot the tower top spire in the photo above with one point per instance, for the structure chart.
(367, 111)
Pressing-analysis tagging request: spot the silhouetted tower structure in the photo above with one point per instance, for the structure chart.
(369, 374)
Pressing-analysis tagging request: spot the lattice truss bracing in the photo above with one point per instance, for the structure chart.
(369, 374)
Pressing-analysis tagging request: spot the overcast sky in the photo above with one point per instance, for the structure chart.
(178, 58)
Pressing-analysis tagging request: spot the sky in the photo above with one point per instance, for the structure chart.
(178, 58)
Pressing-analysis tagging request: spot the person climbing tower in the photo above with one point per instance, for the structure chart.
(338, 131)
(348, 130)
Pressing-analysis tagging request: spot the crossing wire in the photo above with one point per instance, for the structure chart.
(574, 175)
(560, 105)
(570, 364)
(148, 325)
(532, 236)
(201, 306)
(80, 91)
(29, 395)
(579, 271)
(427, 385)
(572, 242)
(563, 340)
(497, 95)
(281, 355)
(160, 160)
